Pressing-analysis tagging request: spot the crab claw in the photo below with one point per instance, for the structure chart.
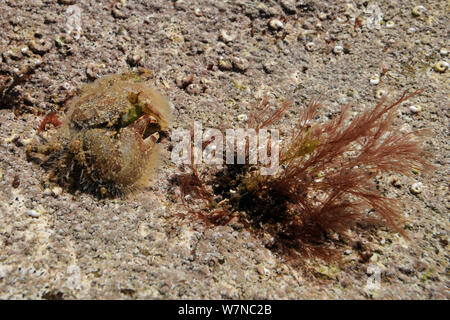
(156, 105)
(146, 125)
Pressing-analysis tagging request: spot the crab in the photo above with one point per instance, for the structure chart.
(108, 142)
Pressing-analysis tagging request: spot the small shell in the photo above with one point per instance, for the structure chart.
(443, 52)
(380, 93)
(242, 117)
(415, 109)
(319, 177)
(418, 10)
(66, 86)
(275, 24)
(416, 188)
(198, 12)
(26, 51)
(33, 213)
(440, 66)
(374, 80)
(341, 19)
(390, 24)
(310, 46)
(338, 49)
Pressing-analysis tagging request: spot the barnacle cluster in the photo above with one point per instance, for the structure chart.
(108, 142)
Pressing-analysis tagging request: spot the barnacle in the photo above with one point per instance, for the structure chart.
(108, 142)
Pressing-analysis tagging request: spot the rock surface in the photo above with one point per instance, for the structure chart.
(58, 245)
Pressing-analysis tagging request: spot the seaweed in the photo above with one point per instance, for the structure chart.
(325, 185)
